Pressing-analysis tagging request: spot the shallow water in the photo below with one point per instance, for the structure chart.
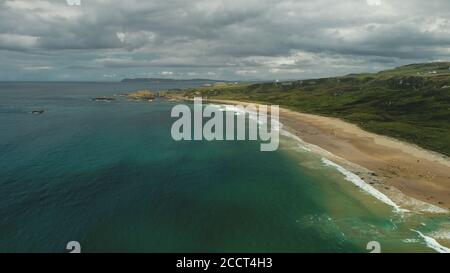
(110, 176)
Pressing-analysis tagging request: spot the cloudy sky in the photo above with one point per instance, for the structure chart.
(108, 40)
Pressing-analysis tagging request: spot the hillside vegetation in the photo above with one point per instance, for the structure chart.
(410, 102)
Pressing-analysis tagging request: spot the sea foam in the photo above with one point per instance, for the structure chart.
(255, 116)
(356, 180)
(432, 243)
(349, 176)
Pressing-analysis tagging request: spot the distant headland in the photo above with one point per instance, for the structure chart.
(164, 80)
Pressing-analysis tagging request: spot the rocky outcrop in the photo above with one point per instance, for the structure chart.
(38, 112)
(145, 95)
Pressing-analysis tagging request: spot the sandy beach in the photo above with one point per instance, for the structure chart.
(413, 177)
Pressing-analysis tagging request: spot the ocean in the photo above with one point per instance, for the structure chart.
(109, 176)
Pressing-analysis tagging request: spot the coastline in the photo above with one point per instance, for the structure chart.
(414, 178)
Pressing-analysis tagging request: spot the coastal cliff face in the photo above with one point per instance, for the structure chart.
(410, 102)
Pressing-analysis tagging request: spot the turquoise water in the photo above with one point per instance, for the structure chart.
(110, 176)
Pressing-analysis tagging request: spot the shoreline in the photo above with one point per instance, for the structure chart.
(414, 178)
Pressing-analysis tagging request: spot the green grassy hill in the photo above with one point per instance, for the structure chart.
(410, 102)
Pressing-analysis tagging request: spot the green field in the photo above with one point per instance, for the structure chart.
(410, 102)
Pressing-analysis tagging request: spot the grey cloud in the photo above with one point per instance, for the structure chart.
(234, 39)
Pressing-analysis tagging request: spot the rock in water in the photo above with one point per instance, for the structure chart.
(38, 112)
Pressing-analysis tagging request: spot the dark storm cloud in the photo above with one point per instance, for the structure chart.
(48, 39)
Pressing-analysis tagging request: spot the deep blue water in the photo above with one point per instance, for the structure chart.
(108, 174)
